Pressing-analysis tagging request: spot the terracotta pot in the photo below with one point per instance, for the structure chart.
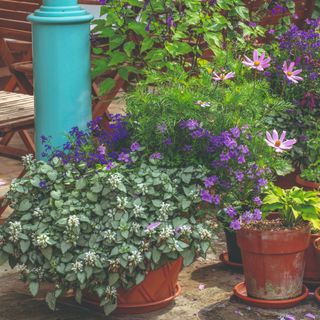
(234, 252)
(274, 262)
(307, 185)
(157, 290)
(312, 270)
(316, 244)
(317, 294)
(288, 181)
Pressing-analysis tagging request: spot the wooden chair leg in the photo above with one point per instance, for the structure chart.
(27, 140)
(12, 152)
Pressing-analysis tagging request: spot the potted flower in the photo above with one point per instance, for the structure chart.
(309, 179)
(108, 229)
(273, 249)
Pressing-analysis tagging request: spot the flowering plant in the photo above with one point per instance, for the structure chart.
(100, 229)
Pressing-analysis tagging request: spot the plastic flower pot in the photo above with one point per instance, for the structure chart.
(274, 262)
(234, 252)
(312, 270)
(307, 185)
(158, 289)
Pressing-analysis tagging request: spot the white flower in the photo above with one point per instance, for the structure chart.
(115, 179)
(135, 227)
(204, 234)
(90, 258)
(42, 241)
(166, 232)
(27, 160)
(37, 213)
(135, 258)
(77, 266)
(114, 265)
(122, 202)
(110, 293)
(109, 235)
(164, 211)
(137, 211)
(142, 188)
(15, 229)
(73, 221)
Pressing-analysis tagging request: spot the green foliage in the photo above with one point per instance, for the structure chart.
(293, 205)
(312, 173)
(92, 228)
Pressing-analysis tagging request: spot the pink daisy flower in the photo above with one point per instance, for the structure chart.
(279, 144)
(259, 62)
(290, 74)
(222, 76)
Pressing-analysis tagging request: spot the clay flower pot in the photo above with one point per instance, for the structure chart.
(158, 289)
(307, 185)
(274, 262)
(288, 181)
(312, 270)
(317, 247)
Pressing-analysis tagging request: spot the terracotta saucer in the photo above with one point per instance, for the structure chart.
(317, 294)
(224, 258)
(147, 307)
(241, 292)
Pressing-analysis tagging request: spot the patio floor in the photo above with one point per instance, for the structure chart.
(211, 303)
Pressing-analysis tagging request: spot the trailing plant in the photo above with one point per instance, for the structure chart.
(293, 205)
(312, 172)
(100, 229)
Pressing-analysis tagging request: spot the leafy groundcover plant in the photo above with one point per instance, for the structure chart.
(84, 225)
(312, 173)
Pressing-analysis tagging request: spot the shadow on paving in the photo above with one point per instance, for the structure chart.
(233, 310)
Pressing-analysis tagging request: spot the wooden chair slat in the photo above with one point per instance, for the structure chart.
(6, 33)
(14, 24)
(14, 15)
(19, 6)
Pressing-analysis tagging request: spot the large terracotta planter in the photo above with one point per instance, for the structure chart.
(307, 185)
(157, 290)
(288, 181)
(274, 262)
(312, 270)
(317, 247)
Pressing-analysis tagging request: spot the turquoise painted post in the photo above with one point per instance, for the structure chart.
(61, 68)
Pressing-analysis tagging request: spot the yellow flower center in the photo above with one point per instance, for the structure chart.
(289, 73)
(222, 76)
(277, 143)
(257, 63)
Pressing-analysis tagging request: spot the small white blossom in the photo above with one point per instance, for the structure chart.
(135, 258)
(175, 245)
(27, 160)
(114, 265)
(21, 267)
(90, 258)
(37, 213)
(77, 266)
(142, 188)
(15, 229)
(73, 221)
(115, 179)
(109, 235)
(164, 211)
(42, 241)
(135, 227)
(166, 232)
(110, 293)
(137, 211)
(122, 202)
(204, 234)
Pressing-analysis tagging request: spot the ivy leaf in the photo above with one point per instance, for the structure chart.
(78, 296)
(34, 288)
(47, 252)
(25, 205)
(65, 246)
(156, 254)
(108, 308)
(81, 277)
(24, 245)
(113, 278)
(188, 257)
(139, 278)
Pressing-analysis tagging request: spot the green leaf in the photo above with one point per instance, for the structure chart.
(129, 47)
(3, 257)
(188, 257)
(51, 300)
(34, 288)
(147, 43)
(25, 245)
(81, 184)
(81, 277)
(108, 308)
(65, 246)
(106, 85)
(156, 254)
(78, 296)
(157, 203)
(55, 194)
(24, 205)
(113, 278)
(8, 247)
(47, 252)
(139, 278)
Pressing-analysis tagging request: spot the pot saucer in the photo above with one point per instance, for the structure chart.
(224, 258)
(241, 292)
(147, 307)
(317, 294)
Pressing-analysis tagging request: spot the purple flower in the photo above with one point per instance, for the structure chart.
(235, 225)
(103, 2)
(262, 182)
(43, 184)
(101, 150)
(148, 25)
(257, 215)
(225, 157)
(210, 181)
(239, 175)
(135, 147)
(168, 141)
(156, 155)
(153, 225)
(252, 24)
(109, 165)
(187, 148)
(124, 157)
(271, 31)
(231, 212)
(216, 199)
(244, 149)
(190, 124)
(206, 196)
(235, 132)
(247, 216)
(257, 201)
(241, 159)
(162, 128)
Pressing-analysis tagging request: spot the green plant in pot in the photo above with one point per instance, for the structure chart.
(273, 249)
(105, 227)
(309, 178)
